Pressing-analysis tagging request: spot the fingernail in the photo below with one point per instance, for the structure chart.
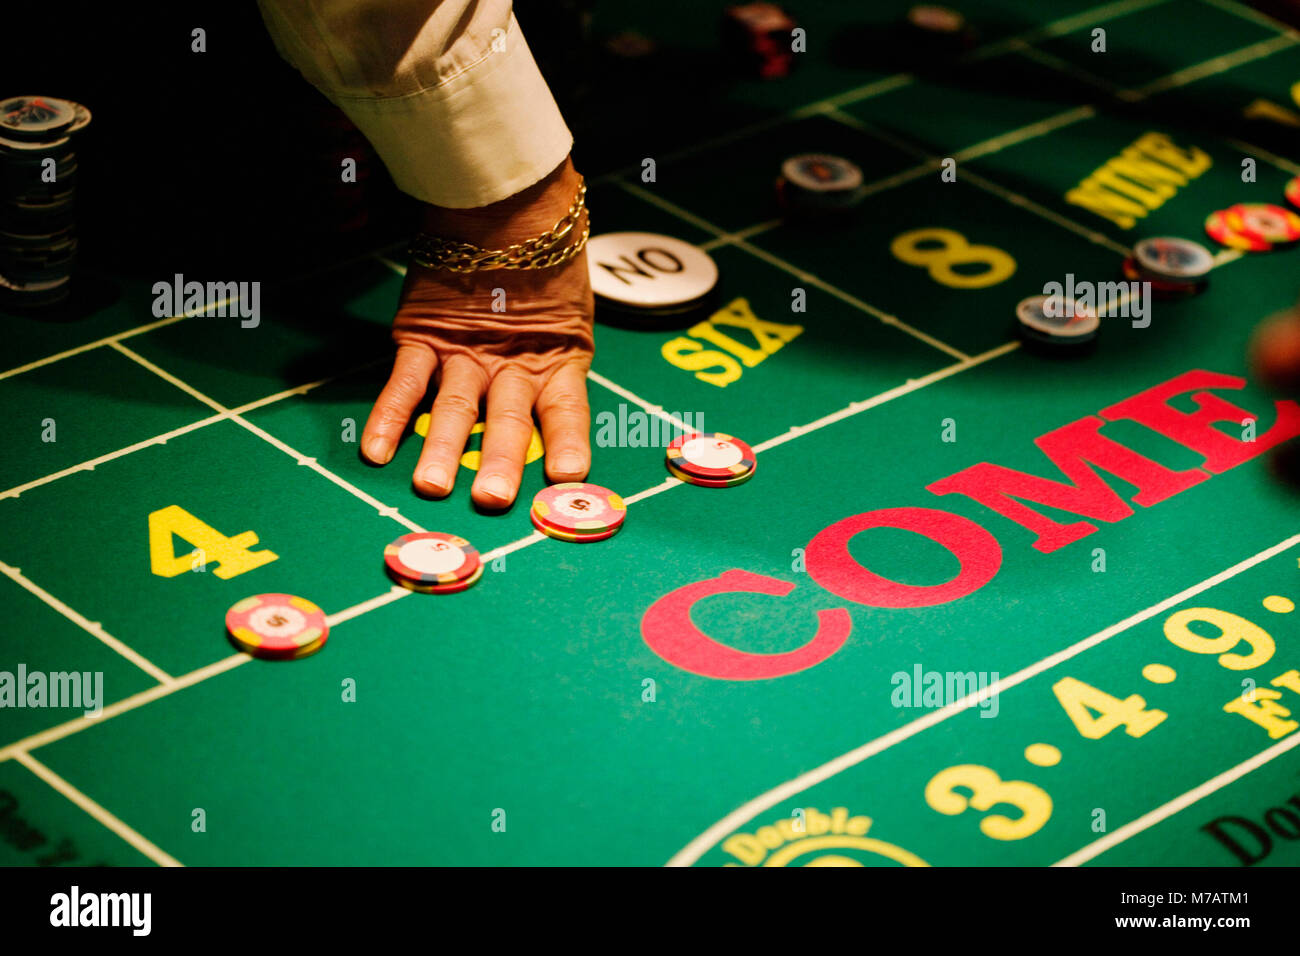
(377, 450)
(568, 464)
(435, 475)
(494, 486)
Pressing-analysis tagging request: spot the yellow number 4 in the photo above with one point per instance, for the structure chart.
(231, 554)
(1081, 700)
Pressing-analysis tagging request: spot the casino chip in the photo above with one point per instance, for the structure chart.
(277, 626)
(1173, 259)
(35, 117)
(1221, 231)
(433, 562)
(710, 459)
(1075, 326)
(643, 272)
(819, 186)
(575, 510)
(38, 246)
(934, 32)
(1293, 192)
(559, 535)
(707, 482)
(452, 588)
(1263, 222)
(1175, 267)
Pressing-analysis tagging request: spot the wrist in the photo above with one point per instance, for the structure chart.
(515, 219)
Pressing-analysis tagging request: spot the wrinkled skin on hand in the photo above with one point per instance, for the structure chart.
(529, 354)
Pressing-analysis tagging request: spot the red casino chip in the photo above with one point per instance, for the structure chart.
(576, 507)
(278, 626)
(1293, 192)
(1218, 229)
(431, 558)
(711, 482)
(453, 588)
(712, 456)
(575, 538)
(1263, 222)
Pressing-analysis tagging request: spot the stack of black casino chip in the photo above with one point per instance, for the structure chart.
(38, 178)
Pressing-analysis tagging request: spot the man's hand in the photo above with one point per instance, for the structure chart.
(533, 354)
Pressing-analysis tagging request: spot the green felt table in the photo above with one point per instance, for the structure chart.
(782, 673)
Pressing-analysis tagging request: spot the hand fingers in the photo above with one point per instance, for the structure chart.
(566, 419)
(505, 439)
(455, 410)
(412, 369)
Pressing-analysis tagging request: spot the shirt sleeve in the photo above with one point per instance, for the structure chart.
(446, 91)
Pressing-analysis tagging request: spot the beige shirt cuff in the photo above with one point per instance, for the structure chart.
(479, 133)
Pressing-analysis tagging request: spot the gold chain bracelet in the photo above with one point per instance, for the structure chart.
(542, 252)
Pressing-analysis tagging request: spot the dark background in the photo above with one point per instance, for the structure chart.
(227, 162)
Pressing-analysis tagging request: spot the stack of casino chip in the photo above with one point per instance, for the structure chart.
(1056, 323)
(433, 562)
(758, 38)
(578, 512)
(1175, 267)
(38, 174)
(1253, 227)
(819, 186)
(711, 460)
(277, 626)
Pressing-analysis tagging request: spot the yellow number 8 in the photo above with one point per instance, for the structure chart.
(953, 250)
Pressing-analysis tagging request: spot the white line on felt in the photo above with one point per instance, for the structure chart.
(116, 337)
(93, 628)
(1165, 811)
(793, 270)
(386, 511)
(356, 610)
(747, 233)
(395, 266)
(1216, 65)
(1054, 62)
(706, 840)
(162, 439)
(656, 410)
(166, 376)
(799, 431)
(1050, 124)
(1280, 162)
(666, 485)
(1249, 13)
(852, 300)
(1077, 21)
(131, 836)
(1016, 136)
(90, 465)
(1092, 235)
(78, 724)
